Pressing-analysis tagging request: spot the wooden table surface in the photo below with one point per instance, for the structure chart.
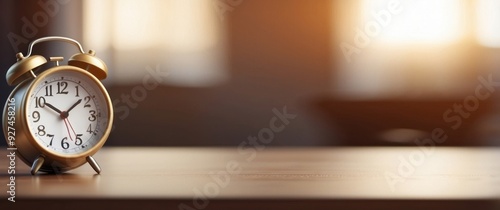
(279, 178)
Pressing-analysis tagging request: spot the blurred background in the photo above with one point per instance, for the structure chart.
(210, 72)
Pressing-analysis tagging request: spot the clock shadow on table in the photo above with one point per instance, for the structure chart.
(46, 181)
(49, 174)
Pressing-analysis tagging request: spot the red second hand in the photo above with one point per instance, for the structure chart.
(67, 128)
(71, 126)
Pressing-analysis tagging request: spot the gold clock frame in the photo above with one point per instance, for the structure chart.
(22, 73)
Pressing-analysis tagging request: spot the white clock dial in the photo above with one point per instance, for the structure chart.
(67, 112)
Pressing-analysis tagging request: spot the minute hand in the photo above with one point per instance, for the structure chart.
(74, 105)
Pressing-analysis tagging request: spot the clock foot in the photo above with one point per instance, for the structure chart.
(94, 164)
(37, 164)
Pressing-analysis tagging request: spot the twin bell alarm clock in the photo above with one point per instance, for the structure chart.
(56, 118)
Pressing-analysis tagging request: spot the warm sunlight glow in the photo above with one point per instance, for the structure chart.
(186, 25)
(136, 24)
(488, 24)
(191, 25)
(183, 36)
(422, 21)
(96, 29)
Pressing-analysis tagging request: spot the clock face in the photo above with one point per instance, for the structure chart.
(67, 112)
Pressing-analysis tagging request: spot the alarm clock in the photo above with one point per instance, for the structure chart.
(57, 118)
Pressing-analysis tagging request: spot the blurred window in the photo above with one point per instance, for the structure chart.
(425, 21)
(414, 48)
(488, 22)
(184, 37)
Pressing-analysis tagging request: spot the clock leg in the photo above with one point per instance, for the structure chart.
(94, 164)
(37, 164)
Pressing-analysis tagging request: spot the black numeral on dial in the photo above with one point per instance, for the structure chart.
(87, 101)
(92, 116)
(41, 130)
(36, 116)
(51, 138)
(61, 87)
(77, 91)
(39, 102)
(78, 140)
(64, 143)
(89, 129)
(48, 90)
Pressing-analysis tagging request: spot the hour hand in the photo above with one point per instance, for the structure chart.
(53, 107)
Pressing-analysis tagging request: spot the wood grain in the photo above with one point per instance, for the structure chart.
(274, 176)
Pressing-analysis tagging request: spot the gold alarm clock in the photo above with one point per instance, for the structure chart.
(57, 118)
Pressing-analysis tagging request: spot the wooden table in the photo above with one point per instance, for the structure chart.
(273, 178)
